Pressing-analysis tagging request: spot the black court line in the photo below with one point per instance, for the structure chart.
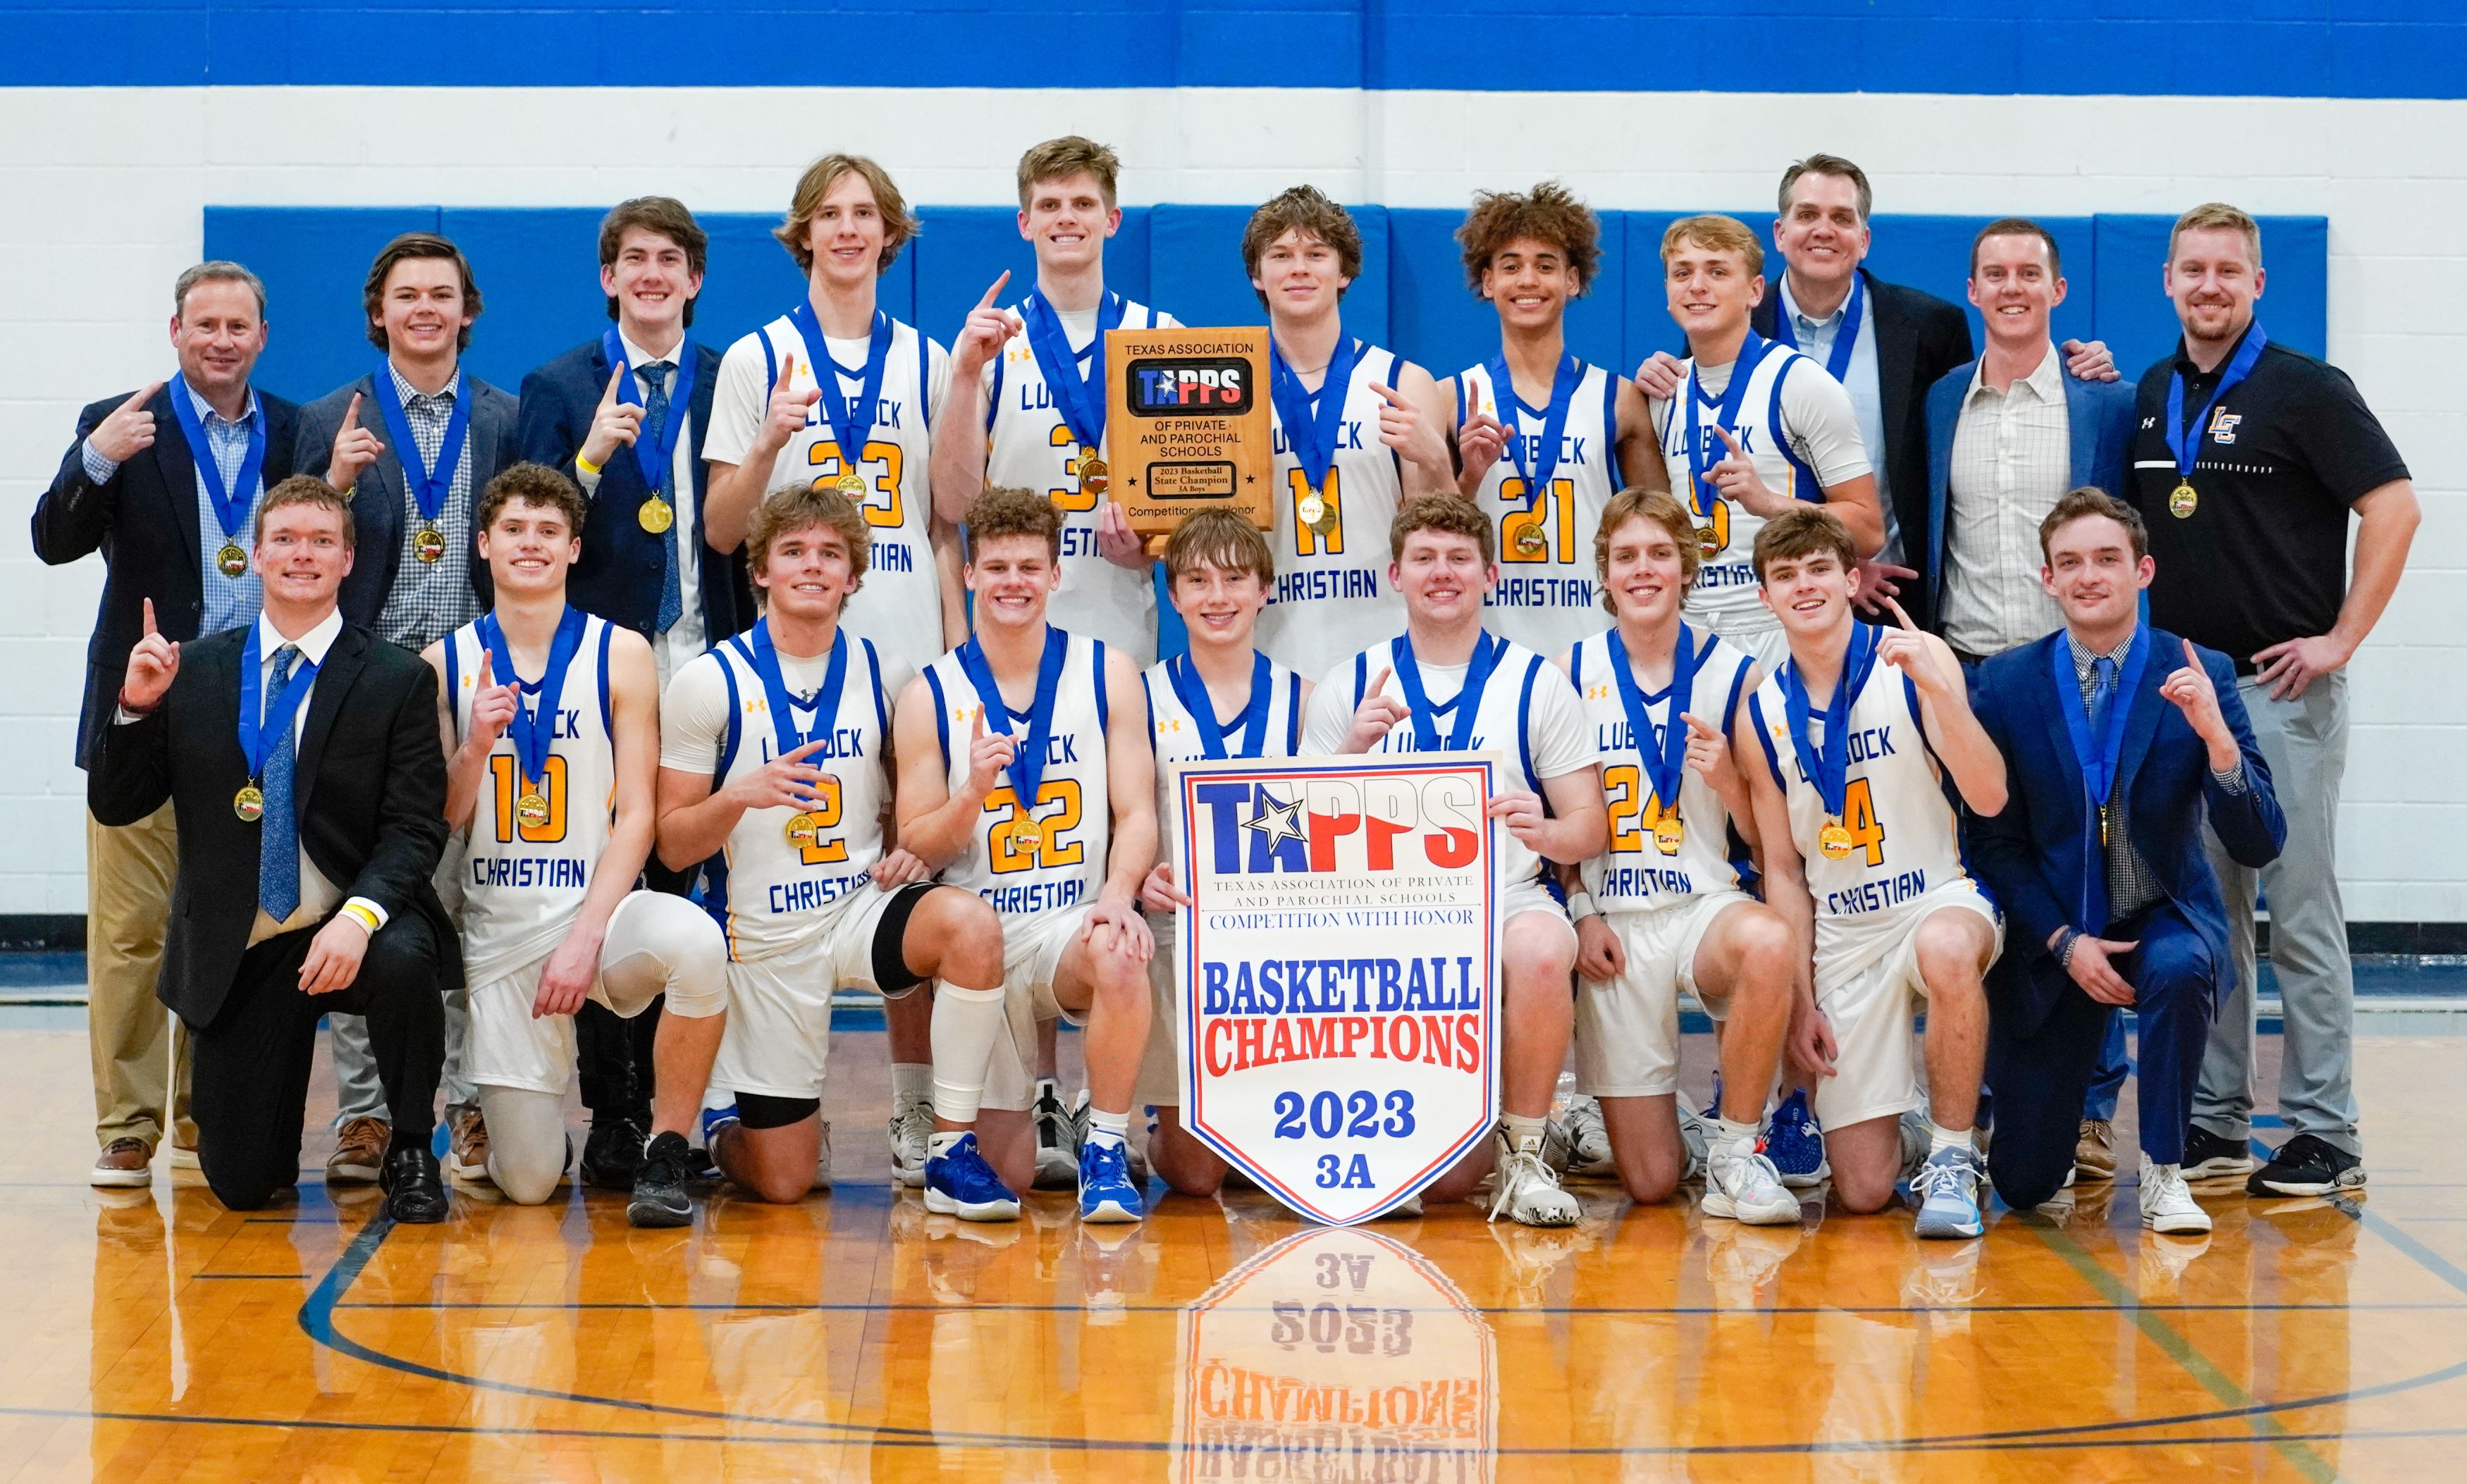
(316, 1318)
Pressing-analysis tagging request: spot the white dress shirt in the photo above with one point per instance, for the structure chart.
(1858, 378)
(2012, 460)
(684, 638)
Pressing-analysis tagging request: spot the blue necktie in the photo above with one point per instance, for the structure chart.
(655, 421)
(278, 844)
(2102, 695)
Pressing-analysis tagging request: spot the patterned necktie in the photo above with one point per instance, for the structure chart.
(2102, 695)
(277, 844)
(655, 420)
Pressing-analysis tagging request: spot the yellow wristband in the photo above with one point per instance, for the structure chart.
(362, 916)
(585, 465)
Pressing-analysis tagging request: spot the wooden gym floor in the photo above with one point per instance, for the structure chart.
(154, 1336)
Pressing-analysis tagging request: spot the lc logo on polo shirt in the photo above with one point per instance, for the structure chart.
(2223, 426)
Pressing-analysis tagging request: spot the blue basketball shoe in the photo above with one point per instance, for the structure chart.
(1106, 1193)
(1795, 1145)
(959, 1182)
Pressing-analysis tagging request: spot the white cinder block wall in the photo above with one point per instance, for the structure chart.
(106, 188)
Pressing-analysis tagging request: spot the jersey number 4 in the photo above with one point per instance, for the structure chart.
(1012, 855)
(1859, 813)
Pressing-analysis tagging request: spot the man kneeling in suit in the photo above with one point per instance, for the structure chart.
(302, 761)
(2116, 737)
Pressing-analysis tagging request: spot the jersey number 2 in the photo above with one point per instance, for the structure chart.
(1009, 855)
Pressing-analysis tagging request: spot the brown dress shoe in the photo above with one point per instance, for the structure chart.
(124, 1163)
(359, 1152)
(2095, 1155)
(466, 1158)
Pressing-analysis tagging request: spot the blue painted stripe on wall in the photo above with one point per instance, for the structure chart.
(540, 291)
(2265, 48)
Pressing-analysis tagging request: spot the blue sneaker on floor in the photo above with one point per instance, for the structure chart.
(1795, 1145)
(713, 1119)
(1106, 1193)
(959, 1182)
(1947, 1189)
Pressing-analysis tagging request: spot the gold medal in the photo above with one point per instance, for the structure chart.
(851, 483)
(1025, 833)
(656, 516)
(2183, 500)
(1670, 834)
(1090, 470)
(231, 561)
(249, 804)
(1834, 840)
(1709, 541)
(1310, 509)
(1531, 542)
(803, 830)
(428, 544)
(531, 810)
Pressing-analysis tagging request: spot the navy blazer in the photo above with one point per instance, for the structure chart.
(378, 497)
(2099, 416)
(619, 575)
(144, 521)
(2041, 858)
(1917, 337)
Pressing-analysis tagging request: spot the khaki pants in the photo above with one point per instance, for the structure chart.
(139, 1049)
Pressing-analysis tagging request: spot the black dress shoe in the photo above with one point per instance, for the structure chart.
(612, 1155)
(414, 1190)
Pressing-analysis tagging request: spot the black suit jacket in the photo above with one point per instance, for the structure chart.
(1919, 337)
(619, 575)
(377, 499)
(144, 521)
(370, 798)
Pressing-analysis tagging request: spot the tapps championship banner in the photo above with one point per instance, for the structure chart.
(1338, 972)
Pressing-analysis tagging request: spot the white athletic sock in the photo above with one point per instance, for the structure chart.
(966, 1022)
(910, 1082)
(1726, 1135)
(718, 1096)
(941, 1141)
(1942, 1138)
(1519, 1130)
(1109, 1128)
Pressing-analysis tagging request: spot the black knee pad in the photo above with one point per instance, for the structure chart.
(891, 972)
(762, 1110)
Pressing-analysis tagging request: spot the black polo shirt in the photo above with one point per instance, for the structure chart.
(2263, 556)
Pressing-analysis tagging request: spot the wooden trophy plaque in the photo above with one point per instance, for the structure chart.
(1187, 426)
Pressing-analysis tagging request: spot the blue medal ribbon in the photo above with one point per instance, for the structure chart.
(1845, 341)
(2099, 755)
(1666, 764)
(1027, 766)
(1311, 423)
(532, 731)
(2186, 445)
(430, 484)
(1487, 650)
(1554, 420)
(231, 506)
(255, 727)
(1702, 494)
(850, 421)
(1080, 400)
(785, 735)
(658, 459)
(1194, 695)
(1829, 768)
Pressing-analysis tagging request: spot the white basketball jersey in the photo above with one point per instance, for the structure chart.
(1724, 597)
(1332, 597)
(1500, 723)
(1548, 600)
(1904, 834)
(1064, 865)
(901, 606)
(1275, 704)
(778, 887)
(523, 883)
(1636, 873)
(1030, 446)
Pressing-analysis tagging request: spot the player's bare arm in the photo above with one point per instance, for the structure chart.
(1952, 730)
(1811, 1051)
(935, 824)
(1640, 463)
(1576, 827)
(634, 715)
(466, 758)
(958, 469)
(1131, 783)
(1414, 420)
(733, 490)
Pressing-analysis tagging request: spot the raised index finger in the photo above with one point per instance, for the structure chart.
(1731, 442)
(139, 399)
(480, 680)
(150, 616)
(787, 370)
(2192, 660)
(615, 379)
(351, 413)
(987, 301)
(1901, 618)
(1697, 725)
(1379, 686)
(1388, 393)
